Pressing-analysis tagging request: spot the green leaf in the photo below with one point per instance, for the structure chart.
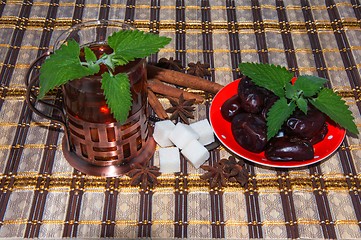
(333, 106)
(277, 115)
(90, 56)
(131, 44)
(117, 94)
(290, 91)
(271, 77)
(62, 66)
(310, 85)
(91, 59)
(302, 104)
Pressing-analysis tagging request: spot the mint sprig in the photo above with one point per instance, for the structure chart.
(306, 90)
(65, 65)
(62, 66)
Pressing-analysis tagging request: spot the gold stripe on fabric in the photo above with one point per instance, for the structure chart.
(171, 24)
(14, 221)
(32, 124)
(163, 222)
(273, 223)
(194, 7)
(13, 92)
(198, 222)
(61, 4)
(355, 147)
(90, 222)
(167, 189)
(236, 223)
(346, 222)
(126, 222)
(344, 4)
(30, 146)
(26, 180)
(235, 188)
(15, 2)
(301, 221)
(118, 5)
(53, 222)
(5, 147)
(307, 221)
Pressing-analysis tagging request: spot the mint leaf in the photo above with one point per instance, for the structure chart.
(131, 44)
(290, 91)
(309, 85)
(91, 59)
(90, 56)
(280, 111)
(302, 104)
(117, 93)
(62, 66)
(271, 77)
(333, 106)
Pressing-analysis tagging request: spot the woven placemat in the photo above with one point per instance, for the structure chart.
(42, 196)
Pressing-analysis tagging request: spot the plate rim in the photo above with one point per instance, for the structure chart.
(277, 164)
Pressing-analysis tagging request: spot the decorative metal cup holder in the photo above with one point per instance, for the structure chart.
(100, 149)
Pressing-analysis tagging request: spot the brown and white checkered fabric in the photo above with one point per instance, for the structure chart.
(41, 196)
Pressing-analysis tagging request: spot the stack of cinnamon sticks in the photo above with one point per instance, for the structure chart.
(160, 81)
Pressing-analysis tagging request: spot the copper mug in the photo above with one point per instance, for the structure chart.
(94, 142)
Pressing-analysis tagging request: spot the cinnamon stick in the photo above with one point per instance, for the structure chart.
(164, 89)
(183, 79)
(156, 105)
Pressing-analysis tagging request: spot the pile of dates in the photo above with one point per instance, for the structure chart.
(247, 112)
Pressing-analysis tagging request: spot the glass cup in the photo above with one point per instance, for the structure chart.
(95, 138)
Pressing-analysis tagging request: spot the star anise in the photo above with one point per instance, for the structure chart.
(215, 175)
(235, 171)
(199, 69)
(225, 170)
(143, 175)
(171, 64)
(182, 109)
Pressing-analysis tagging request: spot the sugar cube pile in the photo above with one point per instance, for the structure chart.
(190, 140)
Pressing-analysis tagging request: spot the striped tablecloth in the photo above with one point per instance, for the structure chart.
(42, 196)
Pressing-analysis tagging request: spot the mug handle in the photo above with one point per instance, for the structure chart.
(32, 81)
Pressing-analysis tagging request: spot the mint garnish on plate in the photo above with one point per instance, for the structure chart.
(306, 90)
(65, 65)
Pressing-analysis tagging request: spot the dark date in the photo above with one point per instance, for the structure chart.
(249, 130)
(268, 104)
(289, 149)
(251, 97)
(231, 107)
(306, 126)
(318, 137)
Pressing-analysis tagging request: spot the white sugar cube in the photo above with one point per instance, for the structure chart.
(204, 130)
(169, 160)
(162, 129)
(182, 134)
(196, 153)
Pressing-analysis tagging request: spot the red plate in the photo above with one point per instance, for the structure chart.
(222, 129)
